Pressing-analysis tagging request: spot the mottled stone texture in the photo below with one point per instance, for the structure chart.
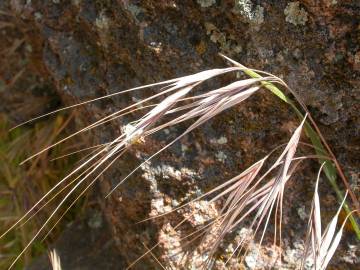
(88, 48)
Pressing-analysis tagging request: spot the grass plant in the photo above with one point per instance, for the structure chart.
(254, 194)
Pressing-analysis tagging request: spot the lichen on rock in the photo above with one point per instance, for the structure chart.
(134, 10)
(206, 3)
(227, 43)
(295, 14)
(245, 9)
(102, 22)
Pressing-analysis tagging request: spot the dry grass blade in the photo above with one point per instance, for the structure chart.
(97, 165)
(55, 260)
(53, 189)
(93, 100)
(154, 257)
(17, 191)
(321, 247)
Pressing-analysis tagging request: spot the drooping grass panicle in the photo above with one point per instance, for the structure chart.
(248, 193)
(186, 82)
(204, 107)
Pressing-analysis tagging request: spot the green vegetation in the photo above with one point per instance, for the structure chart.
(20, 186)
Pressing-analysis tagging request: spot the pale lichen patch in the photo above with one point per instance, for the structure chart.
(133, 135)
(295, 14)
(245, 9)
(199, 212)
(102, 22)
(227, 43)
(220, 156)
(221, 140)
(206, 3)
(134, 10)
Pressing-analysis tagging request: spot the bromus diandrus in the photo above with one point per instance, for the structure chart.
(253, 194)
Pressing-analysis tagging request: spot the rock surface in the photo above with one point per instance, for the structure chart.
(86, 244)
(91, 48)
